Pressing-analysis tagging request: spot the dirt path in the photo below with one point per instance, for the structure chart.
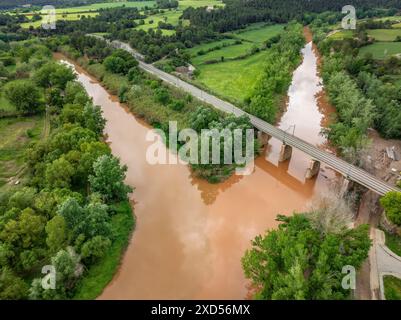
(368, 213)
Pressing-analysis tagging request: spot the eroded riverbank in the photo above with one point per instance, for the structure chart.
(191, 235)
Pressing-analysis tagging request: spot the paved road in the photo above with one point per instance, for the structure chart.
(387, 262)
(351, 172)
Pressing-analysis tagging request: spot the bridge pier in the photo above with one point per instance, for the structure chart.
(263, 138)
(313, 170)
(346, 185)
(285, 153)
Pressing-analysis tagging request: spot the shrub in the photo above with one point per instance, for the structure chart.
(391, 202)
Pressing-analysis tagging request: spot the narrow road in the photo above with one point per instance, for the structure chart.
(350, 171)
(387, 262)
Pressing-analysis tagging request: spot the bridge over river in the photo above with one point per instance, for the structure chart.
(349, 171)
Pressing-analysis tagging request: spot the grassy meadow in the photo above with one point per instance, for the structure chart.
(60, 16)
(384, 34)
(343, 34)
(381, 50)
(228, 52)
(227, 77)
(172, 16)
(152, 21)
(392, 288)
(15, 136)
(259, 33)
(75, 13)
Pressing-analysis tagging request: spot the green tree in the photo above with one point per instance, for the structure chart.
(23, 198)
(162, 96)
(75, 93)
(95, 248)
(298, 261)
(201, 117)
(108, 178)
(114, 64)
(24, 95)
(58, 173)
(391, 203)
(24, 232)
(56, 230)
(11, 286)
(72, 212)
(53, 74)
(93, 118)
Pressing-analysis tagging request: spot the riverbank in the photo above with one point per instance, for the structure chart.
(188, 243)
(98, 276)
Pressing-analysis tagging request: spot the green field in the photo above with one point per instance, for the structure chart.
(343, 34)
(259, 34)
(183, 4)
(392, 288)
(384, 34)
(381, 50)
(390, 18)
(60, 16)
(229, 52)
(15, 136)
(103, 5)
(251, 36)
(206, 46)
(173, 16)
(75, 13)
(228, 79)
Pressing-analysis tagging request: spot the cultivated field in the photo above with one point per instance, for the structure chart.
(229, 52)
(75, 13)
(381, 50)
(151, 22)
(60, 16)
(259, 33)
(233, 79)
(226, 76)
(384, 34)
(343, 34)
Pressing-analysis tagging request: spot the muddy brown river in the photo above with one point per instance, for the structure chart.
(190, 235)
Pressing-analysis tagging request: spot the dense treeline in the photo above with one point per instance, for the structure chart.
(282, 58)
(304, 258)
(63, 216)
(359, 87)
(9, 4)
(108, 20)
(238, 13)
(167, 4)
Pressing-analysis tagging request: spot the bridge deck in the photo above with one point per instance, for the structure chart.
(350, 171)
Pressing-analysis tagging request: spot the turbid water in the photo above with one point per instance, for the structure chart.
(191, 235)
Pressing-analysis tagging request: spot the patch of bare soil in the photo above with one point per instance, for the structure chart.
(377, 160)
